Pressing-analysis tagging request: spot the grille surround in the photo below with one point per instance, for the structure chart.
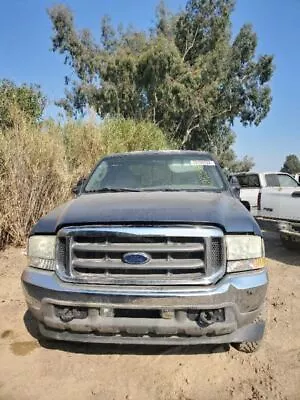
(180, 255)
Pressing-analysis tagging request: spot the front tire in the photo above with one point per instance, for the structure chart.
(247, 347)
(252, 347)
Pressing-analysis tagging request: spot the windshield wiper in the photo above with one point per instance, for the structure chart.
(168, 190)
(183, 190)
(113, 190)
(118, 190)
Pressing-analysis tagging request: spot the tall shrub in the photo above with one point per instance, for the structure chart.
(38, 165)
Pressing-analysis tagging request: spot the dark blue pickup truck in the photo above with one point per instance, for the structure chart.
(154, 249)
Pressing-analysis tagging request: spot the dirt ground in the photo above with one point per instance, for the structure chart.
(32, 369)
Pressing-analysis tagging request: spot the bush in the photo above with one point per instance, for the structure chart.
(86, 142)
(33, 179)
(38, 165)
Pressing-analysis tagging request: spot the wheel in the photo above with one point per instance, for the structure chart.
(31, 324)
(289, 243)
(247, 347)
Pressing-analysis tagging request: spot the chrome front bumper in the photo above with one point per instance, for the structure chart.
(240, 295)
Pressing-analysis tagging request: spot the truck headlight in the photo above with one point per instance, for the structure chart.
(41, 252)
(244, 253)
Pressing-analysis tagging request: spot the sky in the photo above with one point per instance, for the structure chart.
(26, 56)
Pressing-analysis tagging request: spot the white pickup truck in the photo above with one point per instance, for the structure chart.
(279, 208)
(252, 182)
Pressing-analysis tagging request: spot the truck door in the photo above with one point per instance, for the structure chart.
(282, 201)
(250, 186)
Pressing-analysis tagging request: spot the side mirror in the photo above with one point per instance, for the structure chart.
(235, 186)
(77, 188)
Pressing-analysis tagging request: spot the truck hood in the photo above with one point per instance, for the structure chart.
(220, 209)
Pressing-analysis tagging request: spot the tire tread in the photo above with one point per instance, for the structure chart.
(246, 347)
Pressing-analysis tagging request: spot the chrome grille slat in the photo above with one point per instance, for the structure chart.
(178, 255)
(129, 247)
(117, 264)
(131, 279)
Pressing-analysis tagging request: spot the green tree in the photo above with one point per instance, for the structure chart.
(291, 165)
(26, 98)
(226, 156)
(188, 74)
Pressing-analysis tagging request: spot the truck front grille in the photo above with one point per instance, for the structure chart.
(141, 255)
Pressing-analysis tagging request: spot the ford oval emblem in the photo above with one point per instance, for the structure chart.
(136, 258)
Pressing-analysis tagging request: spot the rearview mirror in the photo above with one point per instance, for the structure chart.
(235, 186)
(77, 188)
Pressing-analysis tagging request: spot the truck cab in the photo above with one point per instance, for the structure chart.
(279, 209)
(252, 182)
(154, 249)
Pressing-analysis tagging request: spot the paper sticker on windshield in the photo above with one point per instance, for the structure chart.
(202, 162)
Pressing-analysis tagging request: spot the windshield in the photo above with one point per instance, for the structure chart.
(165, 172)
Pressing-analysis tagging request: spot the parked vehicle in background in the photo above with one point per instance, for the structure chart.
(252, 182)
(297, 177)
(155, 249)
(279, 208)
